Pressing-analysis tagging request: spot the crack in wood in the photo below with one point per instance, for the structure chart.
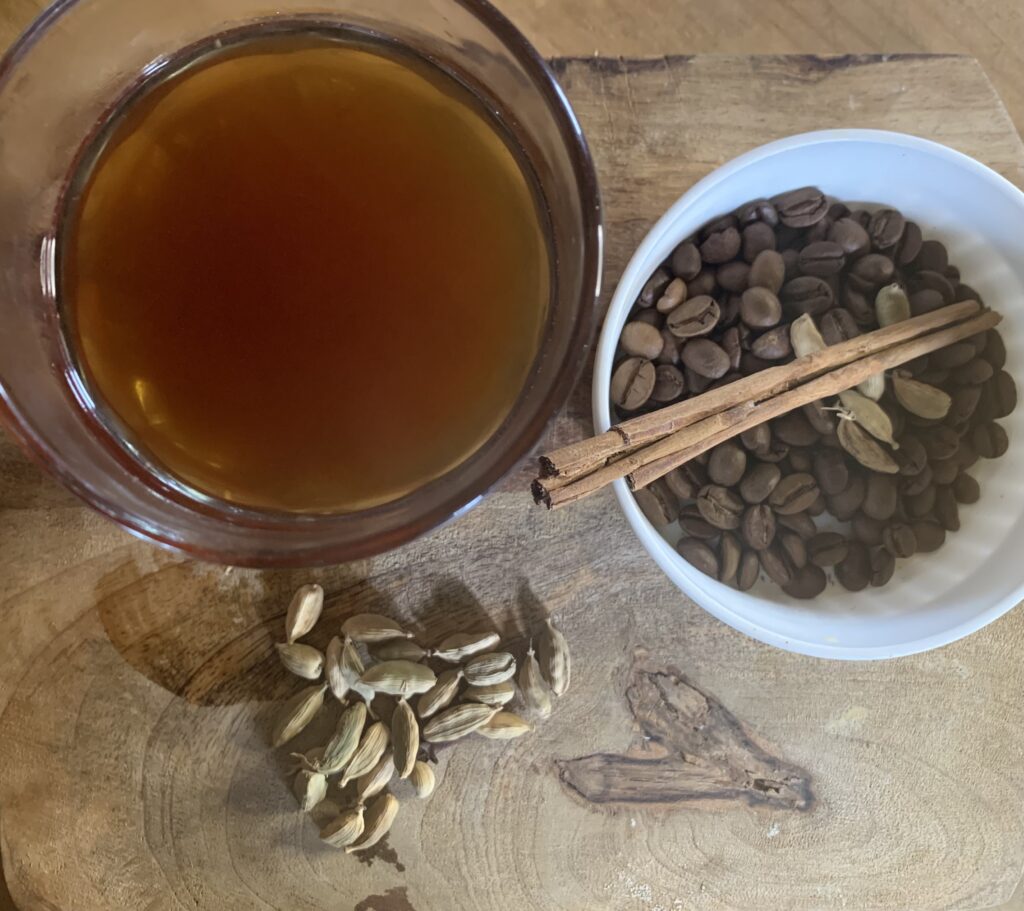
(692, 751)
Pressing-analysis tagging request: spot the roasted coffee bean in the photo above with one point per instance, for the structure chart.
(818, 507)
(685, 261)
(966, 489)
(995, 350)
(768, 270)
(801, 208)
(837, 210)
(807, 582)
(794, 548)
(694, 524)
(798, 522)
(838, 325)
(758, 526)
(944, 471)
(973, 373)
(932, 281)
(964, 292)
(695, 316)
(910, 245)
(721, 246)
(921, 503)
(687, 480)
(1001, 393)
(867, 530)
(776, 565)
(827, 548)
(760, 308)
(673, 296)
(933, 377)
(850, 236)
(727, 463)
(844, 505)
(641, 340)
(705, 358)
(729, 553)
(817, 232)
(658, 502)
(759, 481)
(700, 555)
(823, 421)
(650, 317)
(702, 283)
(932, 257)
(799, 460)
(695, 383)
(859, 304)
(941, 442)
(756, 238)
(989, 440)
(881, 497)
(732, 276)
(963, 405)
(822, 258)
(632, 383)
(830, 471)
(886, 228)
(912, 485)
(979, 340)
(807, 294)
(899, 540)
(669, 384)
(729, 220)
(966, 456)
(731, 345)
(757, 439)
(946, 509)
(757, 210)
(789, 261)
(911, 455)
(955, 355)
(930, 536)
(854, 573)
(794, 430)
(750, 569)
(883, 565)
(653, 288)
(730, 311)
(720, 507)
(794, 493)
(773, 345)
(873, 270)
(669, 349)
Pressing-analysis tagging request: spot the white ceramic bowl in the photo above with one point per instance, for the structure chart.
(979, 573)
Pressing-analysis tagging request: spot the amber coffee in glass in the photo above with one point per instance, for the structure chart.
(302, 271)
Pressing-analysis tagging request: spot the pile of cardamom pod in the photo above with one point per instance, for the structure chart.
(377, 740)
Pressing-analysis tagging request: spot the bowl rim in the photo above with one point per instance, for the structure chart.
(454, 503)
(635, 273)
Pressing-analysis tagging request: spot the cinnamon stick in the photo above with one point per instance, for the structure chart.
(579, 459)
(655, 460)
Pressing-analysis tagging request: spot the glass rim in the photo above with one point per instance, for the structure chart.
(326, 548)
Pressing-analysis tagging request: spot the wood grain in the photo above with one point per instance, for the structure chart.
(135, 686)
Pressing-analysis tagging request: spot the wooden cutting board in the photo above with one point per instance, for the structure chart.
(687, 768)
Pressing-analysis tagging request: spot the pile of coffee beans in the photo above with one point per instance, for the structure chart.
(721, 307)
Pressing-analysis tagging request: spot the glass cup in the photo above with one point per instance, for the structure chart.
(69, 71)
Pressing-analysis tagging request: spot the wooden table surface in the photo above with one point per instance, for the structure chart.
(134, 771)
(990, 30)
